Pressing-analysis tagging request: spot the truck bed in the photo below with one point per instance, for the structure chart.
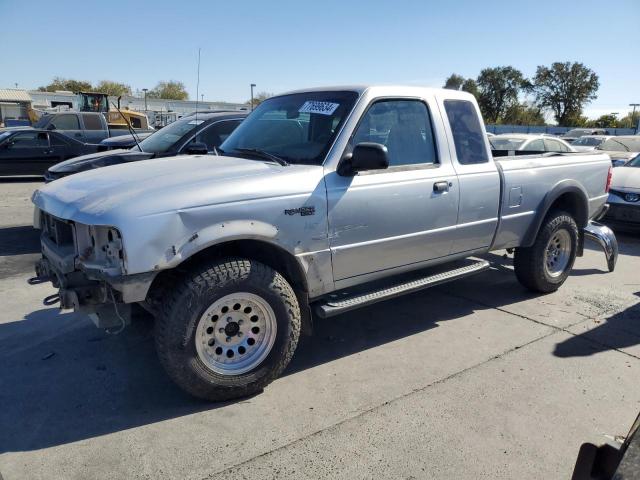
(526, 179)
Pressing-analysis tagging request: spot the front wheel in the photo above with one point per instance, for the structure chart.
(228, 329)
(545, 265)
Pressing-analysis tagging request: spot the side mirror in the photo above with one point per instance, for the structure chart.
(197, 148)
(365, 156)
(51, 127)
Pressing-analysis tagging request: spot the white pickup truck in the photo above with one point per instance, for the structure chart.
(321, 201)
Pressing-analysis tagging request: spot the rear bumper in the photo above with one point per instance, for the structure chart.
(604, 236)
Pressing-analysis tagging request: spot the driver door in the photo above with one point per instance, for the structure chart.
(393, 218)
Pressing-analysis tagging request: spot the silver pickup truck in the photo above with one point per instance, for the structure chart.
(321, 201)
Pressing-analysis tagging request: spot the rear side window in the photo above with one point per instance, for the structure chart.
(66, 122)
(92, 122)
(467, 132)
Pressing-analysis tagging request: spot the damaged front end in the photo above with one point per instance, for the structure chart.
(87, 265)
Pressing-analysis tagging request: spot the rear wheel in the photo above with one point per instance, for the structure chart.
(229, 329)
(545, 265)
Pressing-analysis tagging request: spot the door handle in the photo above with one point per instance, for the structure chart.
(439, 187)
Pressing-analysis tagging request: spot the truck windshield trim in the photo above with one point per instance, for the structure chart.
(298, 128)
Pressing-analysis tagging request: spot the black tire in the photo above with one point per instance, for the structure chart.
(529, 262)
(186, 302)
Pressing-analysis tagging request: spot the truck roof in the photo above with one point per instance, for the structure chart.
(379, 90)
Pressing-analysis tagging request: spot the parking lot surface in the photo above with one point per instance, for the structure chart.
(474, 379)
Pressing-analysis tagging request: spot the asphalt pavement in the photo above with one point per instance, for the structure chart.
(474, 379)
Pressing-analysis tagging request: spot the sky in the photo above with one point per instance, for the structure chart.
(285, 45)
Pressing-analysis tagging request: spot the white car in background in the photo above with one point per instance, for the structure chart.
(587, 143)
(529, 142)
(624, 197)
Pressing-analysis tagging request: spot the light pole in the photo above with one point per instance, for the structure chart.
(145, 99)
(252, 85)
(633, 114)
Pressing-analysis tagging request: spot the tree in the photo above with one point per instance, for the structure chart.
(498, 91)
(259, 98)
(628, 121)
(523, 114)
(565, 88)
(607, 121)
(60, 83)
(470, 86)
(171, 90)
(114, 89)
(454, 82)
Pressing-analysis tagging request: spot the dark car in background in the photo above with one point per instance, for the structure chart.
(29, 151)
(199, 134)
(122, 141)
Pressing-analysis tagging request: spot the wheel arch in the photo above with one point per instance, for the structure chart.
(259, 250)
(567, 195)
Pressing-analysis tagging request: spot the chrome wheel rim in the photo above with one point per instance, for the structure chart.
(557, 253)
(236, 333)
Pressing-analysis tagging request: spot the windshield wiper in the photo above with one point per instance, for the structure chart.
(262, 154)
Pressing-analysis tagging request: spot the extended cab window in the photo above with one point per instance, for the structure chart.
(468, 137)
(91, 122)
(404, 126)
(66, 122)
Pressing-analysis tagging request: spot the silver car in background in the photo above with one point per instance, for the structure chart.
(588, 143)
(621, 149)
(529, 143)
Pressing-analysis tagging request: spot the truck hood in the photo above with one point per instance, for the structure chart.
(120, 193)
(626, 179)
(97, 160)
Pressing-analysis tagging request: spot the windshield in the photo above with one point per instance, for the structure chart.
(164, 140)
(621, 144)
(634, 163)
(587, 141)
(506, 143)
(297, 128)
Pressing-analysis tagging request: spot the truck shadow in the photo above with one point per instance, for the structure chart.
(64, 381)
(619, 331)
(19, 240)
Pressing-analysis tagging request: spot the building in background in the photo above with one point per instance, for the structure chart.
(15, 105)
(160, 112)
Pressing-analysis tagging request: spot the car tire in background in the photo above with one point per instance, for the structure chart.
(544, 266)
(228, 329)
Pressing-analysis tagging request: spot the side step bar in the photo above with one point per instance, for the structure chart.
(337, 304)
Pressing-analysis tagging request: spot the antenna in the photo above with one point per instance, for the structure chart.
(195, 137)
(133, 133)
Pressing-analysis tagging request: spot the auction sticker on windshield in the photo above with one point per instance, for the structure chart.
(196, 122)
(323, 108)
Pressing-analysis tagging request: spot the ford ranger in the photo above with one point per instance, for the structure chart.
(321, 201)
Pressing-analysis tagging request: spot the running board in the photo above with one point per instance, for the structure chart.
(336, 304)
